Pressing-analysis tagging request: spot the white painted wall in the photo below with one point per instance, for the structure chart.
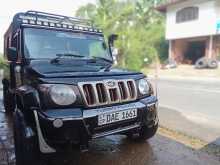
(209, 15)
(217, 9)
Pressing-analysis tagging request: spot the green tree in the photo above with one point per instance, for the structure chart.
(139, 25)
(2, 62)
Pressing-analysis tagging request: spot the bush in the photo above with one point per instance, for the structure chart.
(3, 63)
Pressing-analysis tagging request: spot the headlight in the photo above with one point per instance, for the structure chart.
(62, 95)
(144, 87)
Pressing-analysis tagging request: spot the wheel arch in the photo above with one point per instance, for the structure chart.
(27, 98)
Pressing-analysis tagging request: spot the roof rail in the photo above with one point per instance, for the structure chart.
(60, 18)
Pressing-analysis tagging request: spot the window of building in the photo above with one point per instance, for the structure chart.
(187, 14)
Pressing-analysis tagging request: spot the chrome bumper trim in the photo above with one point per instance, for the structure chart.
(98, 111)
(44, 147)
(137, 125)
(71, 118)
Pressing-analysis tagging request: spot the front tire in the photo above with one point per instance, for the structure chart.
(8, 101)
(24, 149)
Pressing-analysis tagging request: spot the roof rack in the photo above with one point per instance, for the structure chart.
(48, 20)
(59, 18)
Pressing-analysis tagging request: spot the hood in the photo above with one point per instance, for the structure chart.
(44, 69)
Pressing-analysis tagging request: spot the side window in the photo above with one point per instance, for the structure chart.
(187, 14)
(14, 41)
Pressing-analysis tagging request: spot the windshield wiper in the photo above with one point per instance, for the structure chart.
(59, 56)
(102, 59)
(107, 66)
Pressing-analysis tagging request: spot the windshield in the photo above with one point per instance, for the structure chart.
(41, 43)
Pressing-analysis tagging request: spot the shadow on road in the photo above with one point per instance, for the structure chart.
(118, 150)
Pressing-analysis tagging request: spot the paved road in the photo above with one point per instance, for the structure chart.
(192, 106)
(117, 150)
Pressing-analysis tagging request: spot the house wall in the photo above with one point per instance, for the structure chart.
(180, 46)
(217, 9)
(209, 15)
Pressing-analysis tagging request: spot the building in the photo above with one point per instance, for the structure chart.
(192, 29)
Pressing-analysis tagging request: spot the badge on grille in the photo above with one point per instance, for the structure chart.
(111, 83)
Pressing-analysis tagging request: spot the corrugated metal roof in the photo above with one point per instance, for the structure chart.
(163, 7)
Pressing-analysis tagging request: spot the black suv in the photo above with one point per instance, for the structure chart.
(63, 91)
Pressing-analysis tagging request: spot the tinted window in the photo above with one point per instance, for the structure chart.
(41, 43)
(187, 14)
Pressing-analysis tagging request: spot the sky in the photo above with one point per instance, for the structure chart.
(9, 8)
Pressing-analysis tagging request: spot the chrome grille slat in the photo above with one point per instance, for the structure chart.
(125, 91)
(87, 94)
(123, 95)
(131, 88)
(97, 93)
(100, 91)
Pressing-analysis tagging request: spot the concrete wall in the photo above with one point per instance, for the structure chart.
(217, 9)
(179, 48)
(209, 15)
(216, 47)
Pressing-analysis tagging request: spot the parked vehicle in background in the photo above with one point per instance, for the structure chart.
(60, 85)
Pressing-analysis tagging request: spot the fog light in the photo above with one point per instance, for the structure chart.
(57, 123)
(152, 107)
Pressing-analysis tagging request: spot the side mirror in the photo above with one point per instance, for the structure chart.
(12, 54)
(111, 39)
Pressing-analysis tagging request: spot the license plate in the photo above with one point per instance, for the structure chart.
(108, 118)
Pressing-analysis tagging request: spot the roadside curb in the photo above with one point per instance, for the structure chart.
(176, 121)
(190, 141)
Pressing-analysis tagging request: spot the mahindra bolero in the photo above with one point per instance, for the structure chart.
(62, 88)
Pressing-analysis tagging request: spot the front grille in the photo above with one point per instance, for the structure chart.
(107, 92)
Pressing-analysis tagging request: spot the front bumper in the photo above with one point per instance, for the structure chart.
(81, 125)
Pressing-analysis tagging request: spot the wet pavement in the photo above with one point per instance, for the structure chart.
(117, 150)
(190, 106)
(6, 140)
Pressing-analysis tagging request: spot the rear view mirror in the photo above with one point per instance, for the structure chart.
(111, 39)
(12, 54)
